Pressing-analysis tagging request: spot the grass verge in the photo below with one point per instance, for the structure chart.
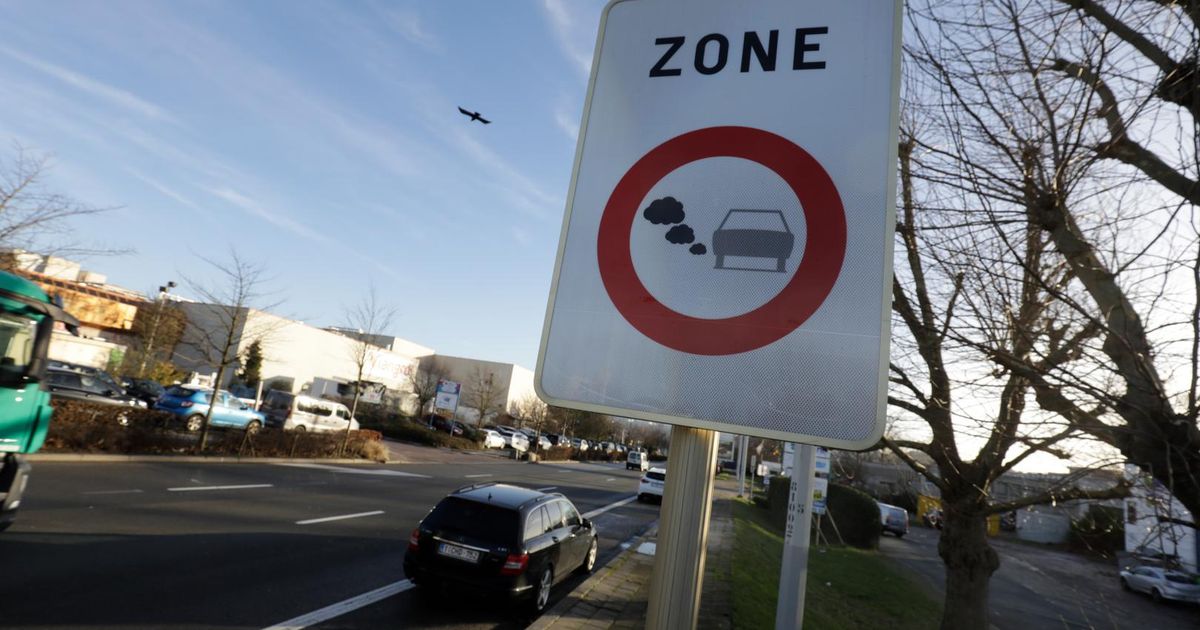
(847, 588)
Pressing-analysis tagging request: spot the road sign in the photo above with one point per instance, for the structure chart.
(725, 254)
(446, 398)
(820, 490)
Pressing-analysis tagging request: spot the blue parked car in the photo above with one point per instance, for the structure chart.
(191, 404)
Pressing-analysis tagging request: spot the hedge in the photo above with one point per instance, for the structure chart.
(412, 431)
(79, 427)
(1101, 531)
(855, 513)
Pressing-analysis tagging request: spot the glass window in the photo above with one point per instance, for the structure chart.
(343, 414)
(553, 515)
(570, 515)
(16, 343)
(535, 524)
(93, 384)
(64, 379)
(480, 522)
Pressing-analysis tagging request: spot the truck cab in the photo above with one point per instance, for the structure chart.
(27, 318)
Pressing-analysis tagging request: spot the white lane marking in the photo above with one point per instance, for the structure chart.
(343, 607)
(358, 471)
(477, 476)
(339, 518)
(241, 487)
(611, 479)
(134, 491)
(547, 489)
(612, 506)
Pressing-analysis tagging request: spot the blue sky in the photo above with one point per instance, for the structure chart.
(320, 139)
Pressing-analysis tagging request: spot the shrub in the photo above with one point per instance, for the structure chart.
(855, 513)
(1101, 531)
(79, 427)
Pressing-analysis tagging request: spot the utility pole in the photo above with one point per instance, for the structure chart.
(158, 312)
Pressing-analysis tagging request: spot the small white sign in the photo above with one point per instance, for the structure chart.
(820, 490)
(821, 463)
(725, 260)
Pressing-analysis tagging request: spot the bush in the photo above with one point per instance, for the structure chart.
(1101, 531)
(558, 453)
(856, 514)
(416, 432)
(79, 427)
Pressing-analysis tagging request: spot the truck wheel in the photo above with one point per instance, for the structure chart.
(193, 423)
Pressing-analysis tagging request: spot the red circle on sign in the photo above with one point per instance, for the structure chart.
(824, 250)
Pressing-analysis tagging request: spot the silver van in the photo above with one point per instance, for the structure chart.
(297, 412)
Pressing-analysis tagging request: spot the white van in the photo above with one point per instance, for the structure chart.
(296, 412)
(637, 460)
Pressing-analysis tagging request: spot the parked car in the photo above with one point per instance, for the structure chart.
(70, 385)
(297, 412)
(446, 426)
(555, 439)
(637, 460)
(191, 404)
(492, 439)
(513, 438)
(1160, 584)
(501, 540)
(143, 389)
(894, 519)
(579, 444)
(651, 484)
(1149, 556)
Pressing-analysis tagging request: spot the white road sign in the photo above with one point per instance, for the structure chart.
(725, 259)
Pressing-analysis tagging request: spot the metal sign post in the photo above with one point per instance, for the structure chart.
(674, 601)
(743, 444)
(789, 611)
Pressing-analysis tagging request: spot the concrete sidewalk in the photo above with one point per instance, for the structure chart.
(615, 597)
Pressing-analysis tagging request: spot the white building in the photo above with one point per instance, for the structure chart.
(1155, 519)
(510, 383)
(293, 353)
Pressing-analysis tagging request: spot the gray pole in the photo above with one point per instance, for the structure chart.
(683, 531)
(789, 612)
(741, 464)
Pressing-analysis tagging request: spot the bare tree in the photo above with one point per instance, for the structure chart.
(369, 318)
(1091, 111)
(221, 320)
(157, 329)
(483, 393)
(533, 413)
(32, 217)
(424, 381)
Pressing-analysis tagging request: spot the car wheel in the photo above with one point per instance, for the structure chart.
(253, 427)
(589, 561)
(1156, 595)
(193, 423)
(123, 419)
(1125, 585)
(542, 596)
(300, 429)
(898, 534)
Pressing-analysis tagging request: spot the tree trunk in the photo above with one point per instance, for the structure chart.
(970, 562)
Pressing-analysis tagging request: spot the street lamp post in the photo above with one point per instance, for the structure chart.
(149, 346)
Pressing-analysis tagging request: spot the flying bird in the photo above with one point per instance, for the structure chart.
(475, 116)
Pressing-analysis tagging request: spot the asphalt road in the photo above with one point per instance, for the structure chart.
(177, 545)
(1041, 587)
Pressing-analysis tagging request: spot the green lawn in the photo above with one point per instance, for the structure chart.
(847, 588)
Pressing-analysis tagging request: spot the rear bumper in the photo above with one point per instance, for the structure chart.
(500, 586)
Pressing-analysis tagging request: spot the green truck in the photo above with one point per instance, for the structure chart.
(27, 319)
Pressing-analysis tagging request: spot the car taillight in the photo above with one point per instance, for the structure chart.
(186, 403)
(515, 564)
(414, 540)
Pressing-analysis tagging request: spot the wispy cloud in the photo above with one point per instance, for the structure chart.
(574, 39)
(567, 121)
(163, 188)
(114, 95)
(408, 24)
(524, 192)
(250, 206)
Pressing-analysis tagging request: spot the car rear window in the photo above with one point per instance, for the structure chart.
(657, 476)
(278, 400)
(481, 521)
(184, 392)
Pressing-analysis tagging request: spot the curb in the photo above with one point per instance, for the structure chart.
(124, 459)
(564, 606)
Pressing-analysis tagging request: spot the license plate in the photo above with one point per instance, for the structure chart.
(460, 553)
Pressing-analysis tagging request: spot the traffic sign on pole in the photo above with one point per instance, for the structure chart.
(725, 260)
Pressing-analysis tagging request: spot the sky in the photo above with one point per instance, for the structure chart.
(320, 139)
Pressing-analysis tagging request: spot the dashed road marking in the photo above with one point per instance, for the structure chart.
(134, 491)
(241, 487)
(611, 506)
(343, 607)
(477, 476)
(339, 518)
(358, 471)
